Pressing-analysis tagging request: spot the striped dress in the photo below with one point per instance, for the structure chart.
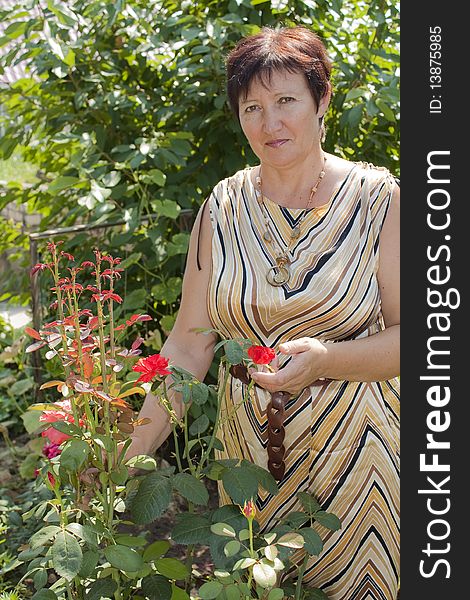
(342, 437)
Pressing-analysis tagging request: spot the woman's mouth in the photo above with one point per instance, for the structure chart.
(276, 143)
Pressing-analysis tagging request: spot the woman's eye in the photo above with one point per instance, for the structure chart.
(285, 99)
(251, 108)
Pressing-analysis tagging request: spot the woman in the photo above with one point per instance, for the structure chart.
(301, 254)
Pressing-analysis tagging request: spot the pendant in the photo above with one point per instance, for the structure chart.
(278, 276)
(295, 233)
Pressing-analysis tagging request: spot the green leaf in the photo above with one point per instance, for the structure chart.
(142, 461)
(316, 594)
(119, 475)
(156, 587)
(61, 183)
(354, 116)
(231, 548)
(215, 470)
(231, 515)
(271, 552)
(217, 443)
(328, 520)
(67, 428)
(179, 244)
(264, 575)
(44, 535)
(27, 555)
(21, 387)
(199, 393)
(270, 537)
(296, 519)
(178, 594)
(40, 579)
(111, 179)
(152, 499)
(391, 93)
(309, 503)
(89, 561)
(101, 588)
(223, 529)
(244, 563)
(133, 541)
(64, 14)
(191, 488)
(44, 595)
(264, 477)
(167, 208)
(69, 58)
(276, 594)
(210, 590)
(124, 558)
(100, 194)
(313, 542)
(66, 555)
(131, 260)
(354, 93)
(168, 291)
(74, 455)
(135, 299)
(171, 568)
(154, 176)
(84, 532)
(103, 441)
(386, 110)
(191, 529)
(31, 420)
(200, 425)
(156, 550)
(291, 540)
(15, 29)
(233, 352)
(240, 484)
(232, 592)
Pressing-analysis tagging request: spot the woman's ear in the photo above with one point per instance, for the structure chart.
(324, 102)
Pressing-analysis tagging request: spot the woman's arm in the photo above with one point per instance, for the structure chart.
(374, 358)
(184, 347)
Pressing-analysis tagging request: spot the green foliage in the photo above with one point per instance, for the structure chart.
(124, 113)
(242, 555)
(152, 500)
(16, 382)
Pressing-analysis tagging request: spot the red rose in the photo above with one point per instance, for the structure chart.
(261, 355)
(51, 450)
(151, 367)
(63, 413)
(55, 436)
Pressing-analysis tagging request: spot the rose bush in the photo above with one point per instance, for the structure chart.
(82, 551)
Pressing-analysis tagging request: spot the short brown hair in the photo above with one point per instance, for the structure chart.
(294, 49)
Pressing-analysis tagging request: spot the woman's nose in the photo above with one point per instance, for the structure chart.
(271, 121)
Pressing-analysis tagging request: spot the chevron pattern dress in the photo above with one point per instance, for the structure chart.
(342, 437)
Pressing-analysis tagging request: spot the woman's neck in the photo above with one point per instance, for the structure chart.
(291, 187)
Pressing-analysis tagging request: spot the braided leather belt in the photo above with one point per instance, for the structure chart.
(276, 431)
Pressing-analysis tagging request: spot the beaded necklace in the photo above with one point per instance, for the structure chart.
(280, 273)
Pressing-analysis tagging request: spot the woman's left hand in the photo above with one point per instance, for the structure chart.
(307, 366)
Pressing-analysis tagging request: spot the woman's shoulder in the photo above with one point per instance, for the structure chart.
(376, 173)
(237, 179)
(232, 183)
(340, 167)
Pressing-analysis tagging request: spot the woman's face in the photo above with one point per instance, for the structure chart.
(281, 120)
